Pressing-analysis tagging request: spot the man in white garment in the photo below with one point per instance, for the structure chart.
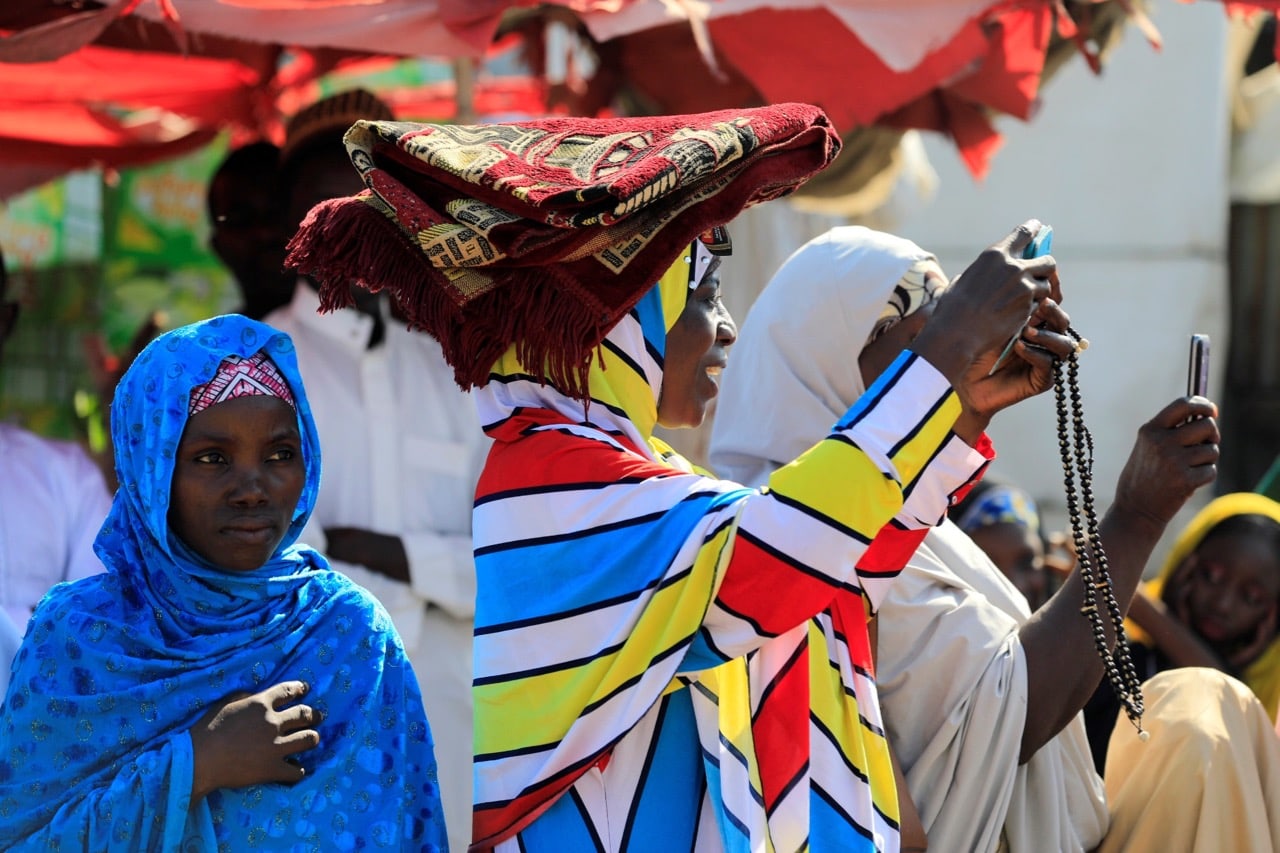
(52, 502)
(402, 449)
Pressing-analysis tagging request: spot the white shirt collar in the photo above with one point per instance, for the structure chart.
(347, 326)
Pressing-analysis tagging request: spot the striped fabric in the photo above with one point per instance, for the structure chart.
(667, 661)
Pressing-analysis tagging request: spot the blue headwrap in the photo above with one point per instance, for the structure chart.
(115, 669)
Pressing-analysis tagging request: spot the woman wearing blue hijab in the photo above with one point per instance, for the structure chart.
(219, 688)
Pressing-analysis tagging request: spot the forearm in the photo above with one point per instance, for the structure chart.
(1063, 667)
(1174, 639)
(442, 570)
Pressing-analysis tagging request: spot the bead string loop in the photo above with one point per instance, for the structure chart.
(1075, 444)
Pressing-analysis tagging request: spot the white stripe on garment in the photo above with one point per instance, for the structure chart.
(882, 427)
(560, 512)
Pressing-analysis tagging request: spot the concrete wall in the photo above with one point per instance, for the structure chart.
(1131, 170)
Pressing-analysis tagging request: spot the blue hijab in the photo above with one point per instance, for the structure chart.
(115, 669)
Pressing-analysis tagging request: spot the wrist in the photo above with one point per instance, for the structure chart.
(950, 354)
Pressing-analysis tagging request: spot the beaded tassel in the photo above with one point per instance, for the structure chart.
(1076, 447)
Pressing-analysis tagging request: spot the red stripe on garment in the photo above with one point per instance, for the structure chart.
(778, 729)
(546, 460)
(772, 594)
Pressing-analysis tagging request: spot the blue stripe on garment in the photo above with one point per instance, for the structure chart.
(652, 324)
(831, 828)
(640, 554)
(674, 818)
(561, 827)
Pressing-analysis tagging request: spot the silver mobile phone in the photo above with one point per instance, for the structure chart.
(1198, 367)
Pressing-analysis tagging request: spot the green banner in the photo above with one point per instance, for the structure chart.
(55, 225)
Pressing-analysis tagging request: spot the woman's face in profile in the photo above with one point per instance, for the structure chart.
(237, 478)
(697, 351)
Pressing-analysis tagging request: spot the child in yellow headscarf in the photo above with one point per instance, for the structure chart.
(1214, 603)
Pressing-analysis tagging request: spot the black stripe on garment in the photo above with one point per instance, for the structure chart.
(638, 797)
(582, 486)
(864, 831)
(587, 532)
(544, 670)
(679, 646)
(656, 584)
(742, 759)
(889, 384)
(839, 636)
(919, 427)
(626, 359)
(818, 516)
(796, 654)
(787, 788)
(788, 560)
(908, 488)
(569, 536)
(513, 378)
(586, 819)
(835, 741)
(848, 691)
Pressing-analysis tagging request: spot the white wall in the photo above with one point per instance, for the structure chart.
(1130, 168)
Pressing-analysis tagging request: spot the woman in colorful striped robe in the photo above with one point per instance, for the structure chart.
(667, 661)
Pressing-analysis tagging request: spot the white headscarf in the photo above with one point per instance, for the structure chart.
(950, 668)
(794, 371)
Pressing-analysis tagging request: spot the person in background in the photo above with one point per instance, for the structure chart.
(1004, 522)
(247, 230)
(52, 501)
(1213, 604)
(403, 449)
(980, 695)
(218, 687)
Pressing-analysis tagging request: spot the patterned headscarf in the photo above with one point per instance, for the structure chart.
(921, 284)
(255, 376)
(998, 503)
(115, 669)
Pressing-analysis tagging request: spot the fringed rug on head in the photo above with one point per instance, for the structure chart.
(542, 235)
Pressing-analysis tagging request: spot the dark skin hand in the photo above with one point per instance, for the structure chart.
(248, 739)
(999, 294)
(1170, 460)
(377, 552)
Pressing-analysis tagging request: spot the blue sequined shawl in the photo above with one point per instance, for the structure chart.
(115, 669)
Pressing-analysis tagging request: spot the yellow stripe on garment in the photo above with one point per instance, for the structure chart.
(618, 384)
(820, 478)
(913, 456)
(838, 712)
(671, 615)
(730, 684)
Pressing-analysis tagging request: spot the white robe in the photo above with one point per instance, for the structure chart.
(401, 449)
(52, 503)
(953, 687)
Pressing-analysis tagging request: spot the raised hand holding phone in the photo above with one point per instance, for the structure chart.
(1041, 244)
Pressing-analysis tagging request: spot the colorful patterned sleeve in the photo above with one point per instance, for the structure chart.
(889, 467)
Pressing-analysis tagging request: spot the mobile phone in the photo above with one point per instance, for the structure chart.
(1198, 367)
(1040, 245)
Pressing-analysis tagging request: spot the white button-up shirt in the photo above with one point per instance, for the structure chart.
(401, 449)
(52, 504)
